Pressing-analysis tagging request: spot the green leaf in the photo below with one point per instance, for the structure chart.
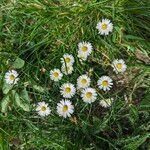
(20, 103)
(4, 103)
(99, 124)
(132, 37)
(39, 88)
(6, 88)
(114, 37)
(133, 113)
(131, 48)
(24, 94)
(136, 143)
(18, 63)
(144, 108)
(3, 142)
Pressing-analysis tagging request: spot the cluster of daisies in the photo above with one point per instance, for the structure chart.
(68, 90)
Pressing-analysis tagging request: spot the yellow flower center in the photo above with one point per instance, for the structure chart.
(43, 108)
(89, 94)
(67, 60)
(65, 108)
(104, 26)
(12, 77)
(119, 66)
(68, 90)
(84, 48)
(105, 83)
(55, 74)
(83, 81)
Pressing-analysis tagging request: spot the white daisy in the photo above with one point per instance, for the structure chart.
(82, 56)
(106, 102)
(11, 77)
(105, 83)
(83, 81)
(104, 27)
(65, 108)
(43, 109)
(67, 69)
(67, 59)
(89, 95)
(56, 75)
(119, 66)
(84, 50)
(67, 90)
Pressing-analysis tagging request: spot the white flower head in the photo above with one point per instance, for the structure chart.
(82, 56)
(65, 108)
(105, 83)
(104, 26)
(67, 59)
(119, 66)
(106, 102)
(67, 90)
(43, 109)
(89, 95)
(11, 77)
(83, 81)
(67, 69)
(56, 75)
(84, 50)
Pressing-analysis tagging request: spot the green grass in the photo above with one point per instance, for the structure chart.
(40, 32)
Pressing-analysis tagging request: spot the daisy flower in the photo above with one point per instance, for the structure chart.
(84, 50)
(67, 90)
(43, 109)
(106, 102)
(11, 77)
(119, 66)
(56, 75)
(89, 95)
(104, 26)
(65, 108)
(67, 69)
(105, 83)
(67, 59)
(82, 56)
(83, 81)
